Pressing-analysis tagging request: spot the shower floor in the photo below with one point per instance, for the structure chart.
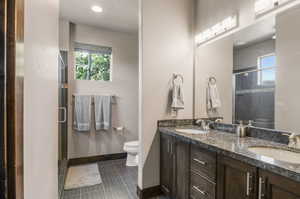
(119, 182)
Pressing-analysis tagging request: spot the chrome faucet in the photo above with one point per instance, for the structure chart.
(202, 123)
(206, 124)
(294, 140)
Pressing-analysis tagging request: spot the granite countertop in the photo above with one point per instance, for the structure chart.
(232, 146)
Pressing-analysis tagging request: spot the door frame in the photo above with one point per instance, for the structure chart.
(2, 99)
(14, 97)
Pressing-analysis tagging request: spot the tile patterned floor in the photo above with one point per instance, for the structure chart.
(62, 172)
(119, 182)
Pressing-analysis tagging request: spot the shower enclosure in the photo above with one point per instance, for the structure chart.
(63, 104)
(254, 96)
(63, 119)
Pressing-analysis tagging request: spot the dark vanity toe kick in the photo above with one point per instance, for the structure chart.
(292, 172)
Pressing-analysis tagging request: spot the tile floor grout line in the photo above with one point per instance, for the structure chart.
(118, 182)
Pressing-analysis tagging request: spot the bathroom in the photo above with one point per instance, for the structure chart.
(98, 94)
(150, 99)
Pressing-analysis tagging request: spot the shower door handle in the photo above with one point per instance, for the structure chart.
(64, 109)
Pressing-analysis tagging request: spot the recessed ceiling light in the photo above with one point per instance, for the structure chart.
(97, 9)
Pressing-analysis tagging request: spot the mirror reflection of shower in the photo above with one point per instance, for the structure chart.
(254, 83)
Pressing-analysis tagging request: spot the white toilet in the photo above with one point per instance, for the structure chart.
(132, 149)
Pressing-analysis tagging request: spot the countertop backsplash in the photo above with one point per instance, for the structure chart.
(255, 132)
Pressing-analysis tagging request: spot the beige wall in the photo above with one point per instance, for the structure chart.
(124, 85)
(215, 59)
(41, 99)
(287, 109)
(64, 35)
(166, 48)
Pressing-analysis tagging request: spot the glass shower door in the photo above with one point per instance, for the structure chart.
(254, 99)
(63, 106)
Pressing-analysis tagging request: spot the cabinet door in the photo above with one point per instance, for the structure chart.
(236, 179)
(181, 171)
(272, 186)
(166, 164)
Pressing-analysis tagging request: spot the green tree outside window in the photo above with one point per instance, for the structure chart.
(92, 66)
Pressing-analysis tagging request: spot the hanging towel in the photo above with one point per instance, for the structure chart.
(82, 112)
(103, 112)
(177, 94)
(213, 97)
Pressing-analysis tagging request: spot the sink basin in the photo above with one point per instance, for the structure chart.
(192, 131)
(277, 154)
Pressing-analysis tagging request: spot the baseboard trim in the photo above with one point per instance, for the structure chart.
(149, 192)
(92, 159)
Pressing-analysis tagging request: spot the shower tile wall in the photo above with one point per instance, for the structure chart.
(253, 101)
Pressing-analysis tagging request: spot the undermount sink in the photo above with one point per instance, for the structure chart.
(276, 153)
(192, 131)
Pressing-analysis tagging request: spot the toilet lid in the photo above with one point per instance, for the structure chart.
(132, 144)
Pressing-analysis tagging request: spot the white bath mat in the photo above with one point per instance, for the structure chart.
(83, 176)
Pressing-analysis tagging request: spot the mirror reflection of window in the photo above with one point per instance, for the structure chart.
(267, 69)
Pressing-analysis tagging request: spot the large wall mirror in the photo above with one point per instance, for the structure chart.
(257, 73)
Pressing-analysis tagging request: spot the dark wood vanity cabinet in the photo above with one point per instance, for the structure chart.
(174, 173)
(192, 172)
(166, 164)
(202, 173)
(272, 186)
(236, 179)
(181, 169)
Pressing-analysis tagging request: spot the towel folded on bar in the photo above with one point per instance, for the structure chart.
(103, 112)
(213, 97)
(82, 112)
(177, 94)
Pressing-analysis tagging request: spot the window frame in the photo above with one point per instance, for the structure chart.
(90, 52)
(260, 69)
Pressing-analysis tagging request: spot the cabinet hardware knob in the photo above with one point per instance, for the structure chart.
(199, 161)
(249, 182)
(165, 188)
(199, 190)
(261, 194)
(168, 143)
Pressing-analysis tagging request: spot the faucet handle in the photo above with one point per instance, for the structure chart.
(219, 120)
(198, 121)
(294, 140)
(250, 123)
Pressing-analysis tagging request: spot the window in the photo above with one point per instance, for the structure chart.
(267, 70)
(92, 62)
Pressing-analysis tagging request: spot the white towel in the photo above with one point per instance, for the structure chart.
(103, 112)
(82, 112)
(213, 97)
(177, 94)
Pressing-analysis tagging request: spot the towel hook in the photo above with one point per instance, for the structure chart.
(212, 80)
(177, 75)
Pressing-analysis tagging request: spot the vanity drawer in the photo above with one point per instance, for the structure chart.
(203, 162)
(201, 188)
